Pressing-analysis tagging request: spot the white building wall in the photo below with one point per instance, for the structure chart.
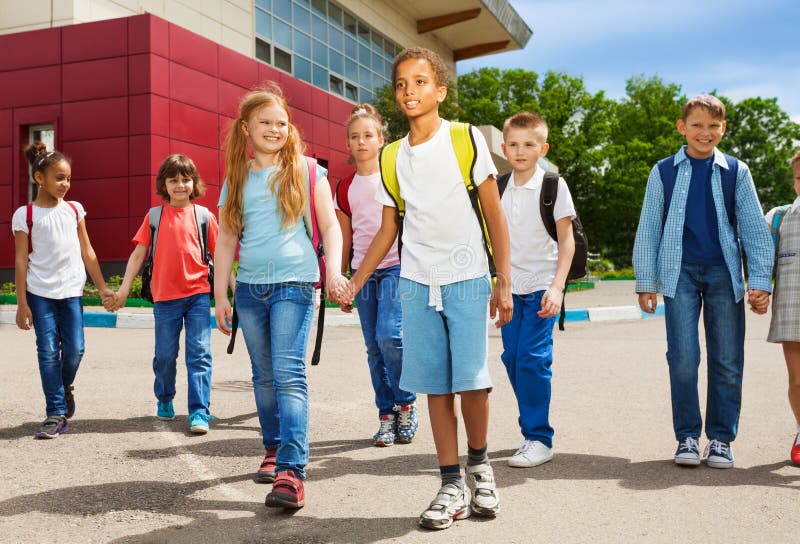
(228, 22)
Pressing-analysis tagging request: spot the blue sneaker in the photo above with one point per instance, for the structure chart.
(165, 411)
(719, 454)
(198, 423)
(407, 423)
(688, 452)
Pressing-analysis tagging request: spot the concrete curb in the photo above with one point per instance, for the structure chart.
(124, 320)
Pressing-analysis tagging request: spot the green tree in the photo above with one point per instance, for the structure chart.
(763, 135)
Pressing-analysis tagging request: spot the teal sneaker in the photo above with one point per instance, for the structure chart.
(165, 411)
(198, 423)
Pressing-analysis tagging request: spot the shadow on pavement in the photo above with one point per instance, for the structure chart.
(139, 424)
(643, 476)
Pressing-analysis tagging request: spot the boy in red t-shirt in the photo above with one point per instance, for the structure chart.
(181, 292)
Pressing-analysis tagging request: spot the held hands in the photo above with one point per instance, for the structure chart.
(224, 315)
(109, 299)
(340, 292)
(758, 301)
(551, 301)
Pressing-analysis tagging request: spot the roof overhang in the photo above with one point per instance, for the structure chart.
(471, 28)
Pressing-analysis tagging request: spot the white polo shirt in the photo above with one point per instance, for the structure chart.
(442, 238)
(534, 254)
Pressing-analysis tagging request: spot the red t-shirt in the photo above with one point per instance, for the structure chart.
(178, 267)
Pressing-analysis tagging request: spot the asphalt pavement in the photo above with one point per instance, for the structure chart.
(121, 475)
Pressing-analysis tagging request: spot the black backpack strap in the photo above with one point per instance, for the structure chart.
(563, 315)
(234, 328)
(502, 183)
(547, 203)
(154, 218)
(201, 220)
(320, 327)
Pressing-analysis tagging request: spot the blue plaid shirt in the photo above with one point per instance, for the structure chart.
(657, 254)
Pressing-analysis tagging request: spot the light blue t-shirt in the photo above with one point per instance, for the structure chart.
(267, 252)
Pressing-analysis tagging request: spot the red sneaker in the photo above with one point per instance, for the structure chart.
(795, 455)
(287, 491)
(266, 472)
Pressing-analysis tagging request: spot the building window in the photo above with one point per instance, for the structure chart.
(47, 135)
(320, 42)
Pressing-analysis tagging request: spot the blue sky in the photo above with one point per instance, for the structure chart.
(740, 48)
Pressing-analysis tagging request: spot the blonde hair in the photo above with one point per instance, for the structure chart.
(796, 158)
(529, 120)
(366, 111)
(713, 105)
(288, 178)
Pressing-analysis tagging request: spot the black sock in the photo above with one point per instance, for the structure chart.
(477, 457)
(451, 474)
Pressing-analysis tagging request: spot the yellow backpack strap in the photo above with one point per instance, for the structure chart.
(466, 153)
(388, 162)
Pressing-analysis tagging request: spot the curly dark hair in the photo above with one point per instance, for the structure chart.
(437, 64)
(41, 159)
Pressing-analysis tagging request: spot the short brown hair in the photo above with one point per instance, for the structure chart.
(708, 102)
(436, 62)
(183, 165)
(796, 158)
(527, 119)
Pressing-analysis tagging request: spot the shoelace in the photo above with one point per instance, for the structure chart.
(717, 447)
(525, 447)
(387, 425)
(690, 444)
(404, 417)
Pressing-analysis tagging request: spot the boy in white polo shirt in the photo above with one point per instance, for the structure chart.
(539, 267)
(444, 281)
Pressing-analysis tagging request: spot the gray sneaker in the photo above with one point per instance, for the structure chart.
(451, 503)
(485, 499)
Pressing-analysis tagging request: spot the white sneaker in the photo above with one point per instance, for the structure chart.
(530, 454)
(451, 503)
(480, 481)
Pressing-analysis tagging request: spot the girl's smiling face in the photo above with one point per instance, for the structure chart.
(267, 129)
(54, 181)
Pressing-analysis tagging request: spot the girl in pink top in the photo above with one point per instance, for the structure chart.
(378, 305)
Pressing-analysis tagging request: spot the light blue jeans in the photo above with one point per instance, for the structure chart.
(59, 344)
(706, 287)
(193, 314)
(276, 320)
(381, 317)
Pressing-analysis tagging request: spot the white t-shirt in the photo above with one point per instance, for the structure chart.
(55, 266)
(442, 238)
(534, 254)
(366, 219)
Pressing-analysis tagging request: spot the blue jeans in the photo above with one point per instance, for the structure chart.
(528, 356)
(59, 343)
(193, 313)
(723, 318)
(276, 320)
(381, 317)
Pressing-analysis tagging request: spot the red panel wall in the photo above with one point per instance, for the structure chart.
(125, 93)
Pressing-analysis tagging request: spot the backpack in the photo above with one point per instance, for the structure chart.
(775, 228)
(341, 195)
(669, 174)
(466, 154)
(29, 221)
(547, 202)
(201, 221)
(312, 229)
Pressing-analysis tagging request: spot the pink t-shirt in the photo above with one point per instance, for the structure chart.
(366, 219)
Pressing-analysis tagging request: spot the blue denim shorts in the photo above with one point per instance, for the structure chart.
(445, 351)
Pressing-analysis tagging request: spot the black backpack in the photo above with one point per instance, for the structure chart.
(547, 202)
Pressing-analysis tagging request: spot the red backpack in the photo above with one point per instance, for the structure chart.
(29, 221)
(342, 198)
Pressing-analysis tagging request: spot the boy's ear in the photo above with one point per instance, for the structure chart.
(680, 124)
(544, 149)
(441, 93)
